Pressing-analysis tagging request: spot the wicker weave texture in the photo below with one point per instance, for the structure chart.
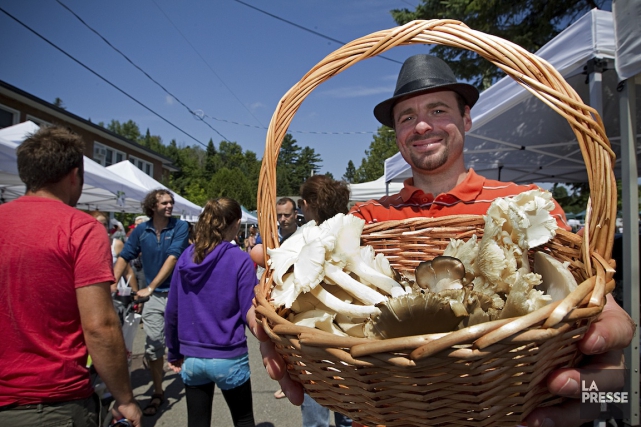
(489, 374)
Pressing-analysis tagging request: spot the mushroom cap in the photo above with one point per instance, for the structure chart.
(430, 273)
(412, 314)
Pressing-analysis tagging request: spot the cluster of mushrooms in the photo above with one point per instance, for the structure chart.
(328, 281)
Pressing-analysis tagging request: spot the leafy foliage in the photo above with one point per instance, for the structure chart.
(528, 23)
(373, 165)
(226, 170)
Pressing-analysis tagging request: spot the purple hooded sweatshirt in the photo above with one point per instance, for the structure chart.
(208, 303)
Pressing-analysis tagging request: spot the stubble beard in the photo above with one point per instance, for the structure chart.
(429, 162)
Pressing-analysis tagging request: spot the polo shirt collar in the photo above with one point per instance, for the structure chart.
(171, 224)
(467, 190)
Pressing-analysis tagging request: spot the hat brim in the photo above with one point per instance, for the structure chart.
(383, 111)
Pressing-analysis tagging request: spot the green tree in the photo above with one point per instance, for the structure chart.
(307, 164)
(233, 183)
(373, 165)
(129, 129)
(211, 158)
(528, 23)
(286, 183)
(58, 103)
(350, 172)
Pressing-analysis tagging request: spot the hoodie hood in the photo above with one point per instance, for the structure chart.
(196, 274)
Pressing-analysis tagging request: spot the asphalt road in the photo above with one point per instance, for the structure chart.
(268, 411)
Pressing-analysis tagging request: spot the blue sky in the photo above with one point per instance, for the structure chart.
(221, 58)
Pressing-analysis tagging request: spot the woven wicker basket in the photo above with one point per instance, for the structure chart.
(489, 374)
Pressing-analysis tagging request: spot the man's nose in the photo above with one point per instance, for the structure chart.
(422, 126)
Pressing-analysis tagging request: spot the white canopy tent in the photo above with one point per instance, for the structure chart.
(373, 189)
(125, 169)
(102, 190)
(247, 217)
(516, 137)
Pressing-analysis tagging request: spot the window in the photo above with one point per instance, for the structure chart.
(8, 116)
(106, 156)
(143, 165)
(38, 121)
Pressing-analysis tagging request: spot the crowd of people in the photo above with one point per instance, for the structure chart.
(65, 265)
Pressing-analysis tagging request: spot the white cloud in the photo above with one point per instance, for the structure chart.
(169, 100)
(256, 105)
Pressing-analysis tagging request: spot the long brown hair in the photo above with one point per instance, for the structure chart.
(218, 215)
(325, 196)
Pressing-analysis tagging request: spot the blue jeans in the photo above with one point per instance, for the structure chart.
(315, 415)
(225, 373)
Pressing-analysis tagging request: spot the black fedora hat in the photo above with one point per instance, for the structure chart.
(423, 73)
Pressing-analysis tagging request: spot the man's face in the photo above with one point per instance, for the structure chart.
(164, 206)
(286, 215)
(430, 131)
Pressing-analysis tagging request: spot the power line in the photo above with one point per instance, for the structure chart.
(202, 113)
(207, 64)
(140, 69)
(307, 29)
(96, 74)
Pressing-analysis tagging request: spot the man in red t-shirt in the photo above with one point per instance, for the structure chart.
(430, 113)
(55, 301)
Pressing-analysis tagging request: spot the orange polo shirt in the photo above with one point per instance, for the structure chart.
(473, 196)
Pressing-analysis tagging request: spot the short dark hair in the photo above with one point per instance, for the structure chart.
(151, 200)
(48, 155)
(285, 200)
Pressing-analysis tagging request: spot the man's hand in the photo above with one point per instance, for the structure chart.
(131, 411)
(273, 362)
(176, 365)
(145, 292)
(603, 346)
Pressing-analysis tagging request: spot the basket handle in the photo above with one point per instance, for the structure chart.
(532, 72)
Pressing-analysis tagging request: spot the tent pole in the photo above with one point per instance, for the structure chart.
(630, 198)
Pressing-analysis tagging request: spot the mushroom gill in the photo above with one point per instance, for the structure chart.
(412, 314)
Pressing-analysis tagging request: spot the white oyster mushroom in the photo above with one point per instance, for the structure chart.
(523, 298)
(284, 293)
(339, 306)
(466, 252)
(530, 213)
(352, 286)
(556, 279)
(347, 253)
(318, 319)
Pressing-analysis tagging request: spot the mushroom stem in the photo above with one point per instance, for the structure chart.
(339, 306)
(381, 281)
(355, 288)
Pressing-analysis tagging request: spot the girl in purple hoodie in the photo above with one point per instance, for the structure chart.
(211, 290)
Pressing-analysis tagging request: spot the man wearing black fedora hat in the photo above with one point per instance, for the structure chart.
(430, 113)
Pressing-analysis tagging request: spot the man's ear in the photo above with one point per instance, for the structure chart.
(74, 175)
(467, 119)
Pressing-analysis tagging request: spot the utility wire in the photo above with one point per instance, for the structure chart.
(97, 75)
(306, 29)
(140, 69)
(206, 63)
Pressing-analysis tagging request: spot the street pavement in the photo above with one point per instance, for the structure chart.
(268, 411)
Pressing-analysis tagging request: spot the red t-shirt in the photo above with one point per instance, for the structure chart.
(473, 196)
(47, 250)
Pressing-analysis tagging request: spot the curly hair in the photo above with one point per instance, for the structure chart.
(217, 216)
(325, 196)
(151, 200)
(48, 155)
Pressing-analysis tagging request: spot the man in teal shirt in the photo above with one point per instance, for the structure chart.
(161, 240)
